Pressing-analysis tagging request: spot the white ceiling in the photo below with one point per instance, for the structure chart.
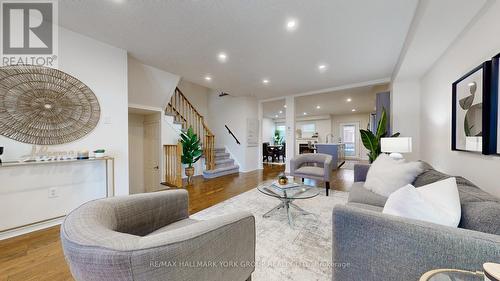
(360, 40)
(362, 99)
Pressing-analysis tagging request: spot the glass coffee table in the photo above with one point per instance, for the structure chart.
(287, 195)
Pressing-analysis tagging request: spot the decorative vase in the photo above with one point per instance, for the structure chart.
(189, 173)
(283, 181)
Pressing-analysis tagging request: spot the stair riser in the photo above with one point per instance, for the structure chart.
(216, 175)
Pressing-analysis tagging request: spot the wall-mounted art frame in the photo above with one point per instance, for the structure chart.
(472, 108)
(495, 101)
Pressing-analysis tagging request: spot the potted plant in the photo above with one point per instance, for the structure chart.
(277, 138)
(191, 151)
(371, 140)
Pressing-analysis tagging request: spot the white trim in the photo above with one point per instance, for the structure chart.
(30, 228)
(144, 107)
(333, 89)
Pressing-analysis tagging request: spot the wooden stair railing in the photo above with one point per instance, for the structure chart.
(186, 114)
(173, 166)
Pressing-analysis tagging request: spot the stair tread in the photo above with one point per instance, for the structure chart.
(222, 169)
(223, 161)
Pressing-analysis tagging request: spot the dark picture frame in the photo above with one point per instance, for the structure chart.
(494, 117)
(487, 133)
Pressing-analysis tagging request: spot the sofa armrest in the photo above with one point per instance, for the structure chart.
(222, 248)
(360, 172)
(368, 245)
(328, 169)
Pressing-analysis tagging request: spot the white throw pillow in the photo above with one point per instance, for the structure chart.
(437, 202)
(387, 175)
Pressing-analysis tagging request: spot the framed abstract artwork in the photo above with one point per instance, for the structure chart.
(495, 117)
(472, 108)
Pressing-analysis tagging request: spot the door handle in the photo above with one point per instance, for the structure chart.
(157, 167)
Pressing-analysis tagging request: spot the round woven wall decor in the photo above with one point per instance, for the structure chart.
(44, 106)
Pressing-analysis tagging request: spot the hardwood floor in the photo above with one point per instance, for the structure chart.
(38, 256)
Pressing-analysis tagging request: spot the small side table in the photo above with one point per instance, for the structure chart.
(452, 274)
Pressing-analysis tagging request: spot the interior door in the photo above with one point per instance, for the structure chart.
(152, 156)
(349, 132)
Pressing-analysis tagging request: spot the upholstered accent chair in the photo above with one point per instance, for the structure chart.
(315, 166)
(150, 237)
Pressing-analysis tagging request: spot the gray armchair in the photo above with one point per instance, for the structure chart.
(151, 237)
(315, 166)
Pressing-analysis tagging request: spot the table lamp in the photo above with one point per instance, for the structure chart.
(395, 146)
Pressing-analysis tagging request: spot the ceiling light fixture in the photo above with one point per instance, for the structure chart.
(291, 24)
(322, 67)
(265, 81)
(281, 111)
(208, 78)
(305, 113)
(284, 106)
(348, 99)
(222, 57)
(353, 110)
(276, 116)
(318, 107)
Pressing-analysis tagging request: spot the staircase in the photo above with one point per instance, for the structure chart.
(217, 161)
(224, 165)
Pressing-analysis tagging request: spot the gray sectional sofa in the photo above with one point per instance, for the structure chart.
(369, 245)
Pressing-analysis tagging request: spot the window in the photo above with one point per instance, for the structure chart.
(281, 129)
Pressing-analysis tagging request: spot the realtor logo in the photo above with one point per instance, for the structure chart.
(29, 32)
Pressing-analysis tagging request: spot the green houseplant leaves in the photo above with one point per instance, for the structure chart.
(191, 148)
(371, 140)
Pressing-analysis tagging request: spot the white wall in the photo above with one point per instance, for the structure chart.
(149, 87)
(136, 152)
(476, 45)
(234, 112)
(197, 95)
(405, 113)
(104, 69)
(362, 118)
(268, 129)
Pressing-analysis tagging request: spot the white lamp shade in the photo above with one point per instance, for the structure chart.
(398, 145)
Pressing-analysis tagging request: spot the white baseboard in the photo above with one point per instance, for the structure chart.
(30, 228)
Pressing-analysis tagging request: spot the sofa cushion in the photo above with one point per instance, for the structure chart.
(310, 171)
(359, 194)
(481, 216)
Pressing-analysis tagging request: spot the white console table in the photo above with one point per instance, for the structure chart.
(37, 193)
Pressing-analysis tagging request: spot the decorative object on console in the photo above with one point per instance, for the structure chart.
(99, 153)
(191, 151)
(472, 111)
(371, 140)
(396, 146)
(45, 106)
(492, 271)
(84, 154)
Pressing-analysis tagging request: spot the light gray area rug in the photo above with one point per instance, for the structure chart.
(284, 253)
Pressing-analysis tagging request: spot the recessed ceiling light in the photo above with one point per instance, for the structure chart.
(208, 78)
(318, 107)
(322, 67)
(284, 106)
(276, 116)
(353, 110)
(305, 113)
(222, 57)
(348, 99)
(118, 1)
(281, 111)
(265, 81)
(291, 24)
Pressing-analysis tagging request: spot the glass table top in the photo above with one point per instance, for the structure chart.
(299, 191)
